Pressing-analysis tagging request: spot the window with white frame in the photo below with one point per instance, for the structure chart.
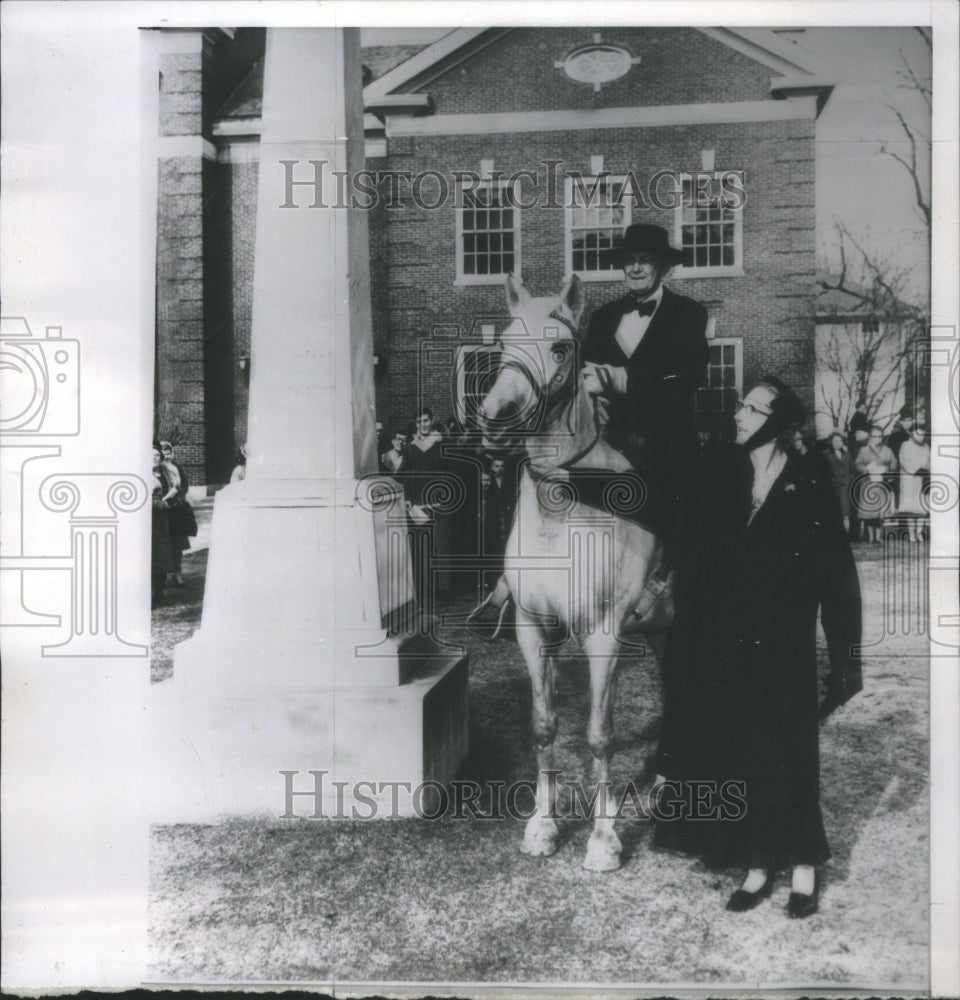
(708, 228)
(597, 212)
(488, 234)
(723, 386)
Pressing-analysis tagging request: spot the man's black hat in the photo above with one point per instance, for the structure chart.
(653, 240)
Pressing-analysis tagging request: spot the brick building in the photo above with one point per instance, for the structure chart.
(534, 148)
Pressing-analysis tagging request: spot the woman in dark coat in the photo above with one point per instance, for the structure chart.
(178, 478)
(161, 542)
(742, 694)
(841, 471)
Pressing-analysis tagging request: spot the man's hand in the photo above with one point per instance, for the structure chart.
(604, 380)
(840, 690)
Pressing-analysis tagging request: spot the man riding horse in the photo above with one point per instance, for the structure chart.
(645, 356)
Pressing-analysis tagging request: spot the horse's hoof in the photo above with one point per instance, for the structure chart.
(603, 854)
(539, 838)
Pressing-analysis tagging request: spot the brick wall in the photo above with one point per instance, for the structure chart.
(420, 316)
(181, 100)
(180, 294)
(770, 307)
(517, 73)
(205, 215)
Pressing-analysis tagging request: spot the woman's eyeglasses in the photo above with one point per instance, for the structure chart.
(752, 406)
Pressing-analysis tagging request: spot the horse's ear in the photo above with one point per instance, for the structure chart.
(517, 295)
(573, 298)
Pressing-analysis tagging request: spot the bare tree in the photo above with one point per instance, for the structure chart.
(869, 362)
(916, 162)
(866, 357)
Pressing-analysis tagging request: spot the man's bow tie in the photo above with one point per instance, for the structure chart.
(644, 308)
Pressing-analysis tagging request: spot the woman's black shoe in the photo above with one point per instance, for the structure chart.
(801, 904)
(741, 900)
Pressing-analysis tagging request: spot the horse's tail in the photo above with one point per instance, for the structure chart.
(500, 599)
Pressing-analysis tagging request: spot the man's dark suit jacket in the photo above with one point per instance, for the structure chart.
(663, 373)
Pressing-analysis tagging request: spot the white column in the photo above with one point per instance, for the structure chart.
(311, 391)
(292, 668)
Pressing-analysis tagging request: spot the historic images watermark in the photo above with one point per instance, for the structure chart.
(667, 801)
(41, 403)
(546, 187)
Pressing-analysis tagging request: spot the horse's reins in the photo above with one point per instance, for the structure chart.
(500, 597)
(560, 318)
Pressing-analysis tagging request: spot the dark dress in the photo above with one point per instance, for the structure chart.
(180, 541)
(742, 697)
(161, 542)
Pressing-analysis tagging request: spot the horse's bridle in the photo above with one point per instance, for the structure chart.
(539, 391)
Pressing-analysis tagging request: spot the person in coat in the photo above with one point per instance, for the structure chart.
(914, 471)
(426, 490)
(902, 430)
(645, 356)
(841, 473)
(398, 459)
(876, 467)
(161, 543)
(499, 509)
(742, 708)
(178, 478)
(858, 432)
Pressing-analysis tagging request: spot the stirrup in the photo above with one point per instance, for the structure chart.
(501, 600)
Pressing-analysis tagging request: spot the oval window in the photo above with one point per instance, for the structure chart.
(597, 63)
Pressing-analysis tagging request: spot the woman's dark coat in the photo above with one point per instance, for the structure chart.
(841, 470)
(742, 686)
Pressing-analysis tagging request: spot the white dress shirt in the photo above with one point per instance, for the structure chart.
(633, 326)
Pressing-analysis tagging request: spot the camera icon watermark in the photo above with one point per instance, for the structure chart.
(39, 381)
(40, 401)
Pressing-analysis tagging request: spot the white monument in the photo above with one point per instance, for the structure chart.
(295, 668)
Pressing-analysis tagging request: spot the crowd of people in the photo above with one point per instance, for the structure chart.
(878, 475)
(460, 493)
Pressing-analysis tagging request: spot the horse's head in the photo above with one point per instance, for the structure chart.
(538, 363)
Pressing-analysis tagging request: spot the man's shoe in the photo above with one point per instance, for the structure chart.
(741, 900)
(801, 904)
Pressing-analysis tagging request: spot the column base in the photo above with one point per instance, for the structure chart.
(223, 754)
(293, 669)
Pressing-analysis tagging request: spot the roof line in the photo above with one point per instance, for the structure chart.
(420, 62)
(760, 44)
(766, 47)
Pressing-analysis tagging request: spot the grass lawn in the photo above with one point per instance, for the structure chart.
(452, 901)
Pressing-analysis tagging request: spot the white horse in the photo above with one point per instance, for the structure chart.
(571, 568)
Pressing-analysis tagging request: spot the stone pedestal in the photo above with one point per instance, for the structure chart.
(294, 667)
